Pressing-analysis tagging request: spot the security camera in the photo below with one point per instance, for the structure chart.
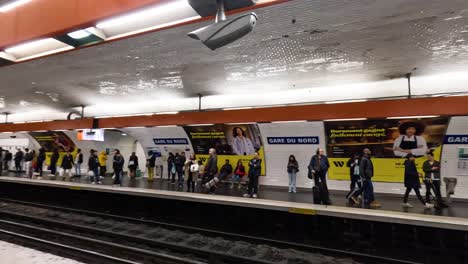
(224, 31)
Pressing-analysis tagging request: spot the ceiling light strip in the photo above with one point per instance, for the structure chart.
(412, 117)
(290, 121)
(12, 5)
(346, 119)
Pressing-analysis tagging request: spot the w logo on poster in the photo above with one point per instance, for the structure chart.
(339, 163)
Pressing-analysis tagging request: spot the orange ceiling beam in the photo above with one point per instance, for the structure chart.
(52, 125)
(43, 18)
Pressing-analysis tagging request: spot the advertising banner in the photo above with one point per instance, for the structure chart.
(232, 142)
(390, 140)
(51, 140)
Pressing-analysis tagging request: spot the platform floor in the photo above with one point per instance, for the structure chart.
(14, 254)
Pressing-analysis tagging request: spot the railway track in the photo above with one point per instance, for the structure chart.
(104, 236)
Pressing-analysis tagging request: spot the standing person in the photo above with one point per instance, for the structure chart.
(8, 159)
(78, 162)
(292, 169)
(28, 157)
(18, 158)
(2, 160)
(410, 140)
(366, 172)
(53, 162)
(226, 170)
(239, 172)
(170, 166)
(431, 170)
(319, 166)
(412, 182)
(67, 165)
(179, 162)
(117, 165)
(102, 163)
(241, 145)
(255, 168)
(192, 168)
(132, 165)
(41, 157)
(150, 164)
(355, 177)
(211, 169)
(93, 166)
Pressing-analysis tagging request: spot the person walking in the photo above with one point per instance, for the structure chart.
(78, 162)
(319, 166)
(53, 162)
(67, 165)
(41, 157)
(117, 165)
(366, 172)
(431, 169)
(132, 165)
(102, 163)
(2, 160)
(292, 169)
(255, 168)
(412, 182)
(150, 164)
(18, 159)
(191, 168)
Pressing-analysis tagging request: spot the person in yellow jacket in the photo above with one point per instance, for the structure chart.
(102, 163)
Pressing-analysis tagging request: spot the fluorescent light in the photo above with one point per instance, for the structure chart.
(7, 132)
(201, 125)
(61, 130)
(237, 108)
(135, 127)
(168, 126)
(409, 117)
(37, 48)
(347, 101)
(79, 34)
(40, 131)
(13, 5)
(6, 56)
(167, 113)
(110, 128)
(291, 121)
(244, 123)
(22, 122)
(158, 16)
(347, 119)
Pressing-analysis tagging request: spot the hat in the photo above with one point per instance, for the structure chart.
(417, 125)
(409, 156)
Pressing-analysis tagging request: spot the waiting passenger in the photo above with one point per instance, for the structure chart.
(150, 164)
(431, 170)
(8, 159)
(226, 170)
(319, 165)
(78, 162)
(102, 163)
(117, 166)
(366, 171)
(40, 162)
(412, 182)
(67, 165)
(292, 169)
(93, 167)
(255, 169)
(191, 168)
(179, 162)
(18, 158)
(170, 167)
(28, 157)
(239, 172)
(53, 162)
(132, 165)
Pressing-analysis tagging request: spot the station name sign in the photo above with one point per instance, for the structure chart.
(292, 140)
(170, 141)
(456, 139)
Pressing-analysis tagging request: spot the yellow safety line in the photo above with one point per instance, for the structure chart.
(302, 211)
(76, 188)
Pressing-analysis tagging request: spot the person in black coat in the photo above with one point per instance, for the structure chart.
(40, 161)
(353, 164)
(170, 166)
(431, 169)
(93, 166)
(412, 182)
(319, 166)
(117, 165)
(67, 164)
(8, 159)
(225, 171)
(78, 162)
(53, 162)
(179, 162)
(255, 169)
(211, 169)
(18, 158)
(133, 165)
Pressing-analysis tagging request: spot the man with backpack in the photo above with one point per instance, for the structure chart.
(366, 168)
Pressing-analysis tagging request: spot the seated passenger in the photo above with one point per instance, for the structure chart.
(239, 172)
(225, 171)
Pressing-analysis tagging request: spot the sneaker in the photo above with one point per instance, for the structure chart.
(93, 183)
(99, 182)
(246, 195)
(289, 191)
(407, 205)
(428, 205)
(375, 204)
(354, 199)
(254, 196)
(294, 191)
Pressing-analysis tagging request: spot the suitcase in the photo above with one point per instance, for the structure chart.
(316, 195)
(324, 196)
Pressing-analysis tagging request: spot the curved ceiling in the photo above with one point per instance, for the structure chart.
(297, 44)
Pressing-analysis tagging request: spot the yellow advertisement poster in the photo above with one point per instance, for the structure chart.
(389, 140)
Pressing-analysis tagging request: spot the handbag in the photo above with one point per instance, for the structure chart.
(310, 174)
(173, 170)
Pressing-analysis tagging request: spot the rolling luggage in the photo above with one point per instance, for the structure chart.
(316, 195)
(324, 196)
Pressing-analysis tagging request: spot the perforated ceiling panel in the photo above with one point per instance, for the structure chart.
(298, 44)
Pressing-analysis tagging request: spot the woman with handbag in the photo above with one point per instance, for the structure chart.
(292, 169)
(239, 172)
(191, 169)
